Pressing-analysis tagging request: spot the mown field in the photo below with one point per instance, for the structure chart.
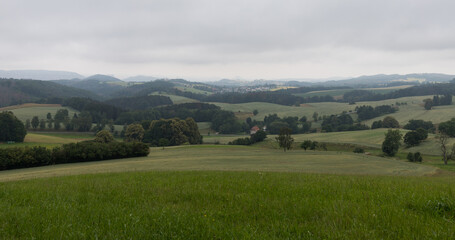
(28, 111)
(228, 205)
(50, 139)
(176, 99)
(413, 110)
(236, 158)
(338, 93)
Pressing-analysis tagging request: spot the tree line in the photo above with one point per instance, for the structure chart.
(420, 90)
(23, 157)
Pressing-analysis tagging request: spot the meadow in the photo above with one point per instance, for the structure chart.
(338, 93)
(228, 205)
(175, 98)
(29, 110)
(253, 192)
(235, 158)
(412, 110)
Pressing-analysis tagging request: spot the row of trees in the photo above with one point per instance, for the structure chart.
(369, 112)
(274, 124)
(421, 90)
(343, 122)
(437, 100)
(387, 122)
(11, 158)
(259, 136)
(61, 120)
(164, 132)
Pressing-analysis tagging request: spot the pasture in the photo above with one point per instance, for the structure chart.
(228, 205)
(338, 93)
(29, 110)
(412, 110)
(235, 158)
(50, 139)
(176, 99)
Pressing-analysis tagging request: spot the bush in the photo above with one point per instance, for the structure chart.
(259, 136)
(359, 150)
(306, 144)
(414, 157)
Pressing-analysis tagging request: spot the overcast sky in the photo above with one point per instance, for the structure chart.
(213, 39)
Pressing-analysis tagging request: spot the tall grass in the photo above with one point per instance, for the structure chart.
(228, 205)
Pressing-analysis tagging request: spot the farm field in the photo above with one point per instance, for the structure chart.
(235, 158)
(413, 110)
(265, 109)
(339, 92)
(29, 110)
(176, 99)
(228, 205)
(193, 90)
(50, 139)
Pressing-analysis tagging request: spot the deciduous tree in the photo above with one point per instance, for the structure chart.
(285, 139)
(391, 142)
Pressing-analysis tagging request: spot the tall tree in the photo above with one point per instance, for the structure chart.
(11, 128)
(35, 122)
(391, 142)
(442, 139)
(42, 124)
(285, 139)
(134, 133)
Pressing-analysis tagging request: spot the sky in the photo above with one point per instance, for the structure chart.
(214, 39)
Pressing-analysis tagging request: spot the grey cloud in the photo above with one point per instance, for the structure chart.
(206, 32)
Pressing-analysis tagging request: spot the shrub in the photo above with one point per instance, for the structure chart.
(414, 157)
(306, 144)
(259, 136)
(359, 150)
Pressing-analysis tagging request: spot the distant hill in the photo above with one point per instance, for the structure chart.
(14, 91)
(388, 80)
(99, 87)
(103, 78)
(144, 89)
(39, 74)
(140, 78)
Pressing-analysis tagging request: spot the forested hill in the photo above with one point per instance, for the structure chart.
(14, 91)
(102, 88)
(421, 90)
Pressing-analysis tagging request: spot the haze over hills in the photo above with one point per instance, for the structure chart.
(140, 78)
(13, 91)
(79, 81)
(39, 74)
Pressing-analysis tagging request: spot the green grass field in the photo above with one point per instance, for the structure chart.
(228, 205)
(193, 90)
(25, 113)
(413, 110)
(235, 158)
(50, 139)
(339, 92)
(176, 99)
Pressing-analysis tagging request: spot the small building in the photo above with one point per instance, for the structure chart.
(254, 129)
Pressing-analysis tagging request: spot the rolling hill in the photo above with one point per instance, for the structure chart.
(14, 91)
(39, 74)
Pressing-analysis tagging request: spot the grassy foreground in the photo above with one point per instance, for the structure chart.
(228, 205)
